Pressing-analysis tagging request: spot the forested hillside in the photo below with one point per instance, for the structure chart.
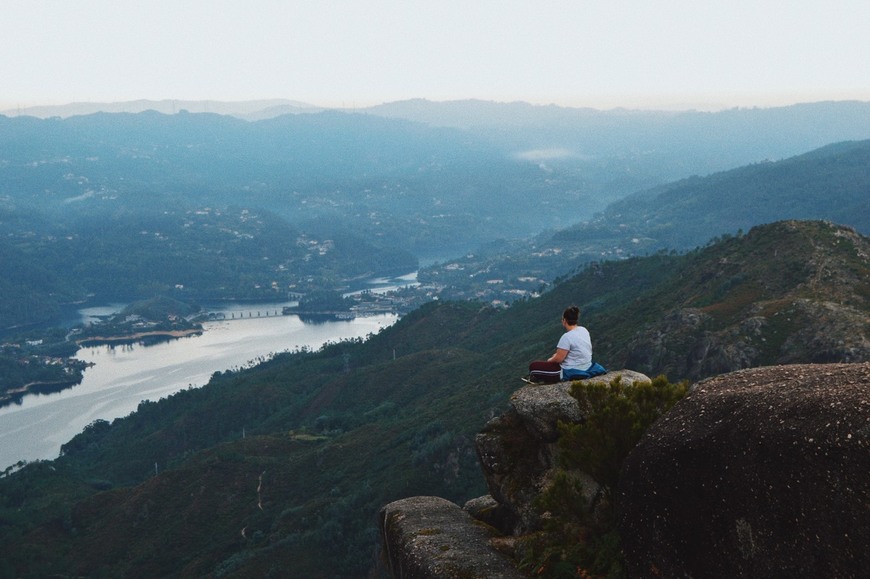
(396, 182)
(125, 206)
(831, 183)
(284, 466)
(192, 255)
(225, 207)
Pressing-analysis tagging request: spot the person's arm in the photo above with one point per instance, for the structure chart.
(559, 356)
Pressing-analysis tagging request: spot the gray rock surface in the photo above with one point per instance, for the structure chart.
(517, 450)
(433, 538)
(757, 473)
(541, 407)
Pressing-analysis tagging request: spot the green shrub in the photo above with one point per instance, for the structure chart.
(579, 538)
(616, 418)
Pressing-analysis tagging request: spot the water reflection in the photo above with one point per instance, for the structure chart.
(124, 375)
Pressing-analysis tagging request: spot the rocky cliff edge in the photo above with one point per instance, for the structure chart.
(429, 537)
(756, 473)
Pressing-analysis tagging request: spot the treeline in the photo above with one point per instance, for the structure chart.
(192, 255)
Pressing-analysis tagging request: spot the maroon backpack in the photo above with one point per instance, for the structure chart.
(541, 372)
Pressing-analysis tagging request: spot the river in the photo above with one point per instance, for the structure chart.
(123, 376)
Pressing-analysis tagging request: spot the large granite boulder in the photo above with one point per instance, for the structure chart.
(517, 450)
(757, 473)
(432, 538)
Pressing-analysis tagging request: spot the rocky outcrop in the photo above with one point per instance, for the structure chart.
(800, 330)
(792, 292)
(517, 450)
(430, 537)
(757, 473)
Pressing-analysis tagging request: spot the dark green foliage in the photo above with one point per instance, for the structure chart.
(327, 301)
(159, 308)
(430, 443)
(31, 289)
(580, 539)
(38, 362)
(89, 437)
(616, 418)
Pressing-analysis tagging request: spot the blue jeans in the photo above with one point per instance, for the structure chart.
(568, 373)
(594, 369)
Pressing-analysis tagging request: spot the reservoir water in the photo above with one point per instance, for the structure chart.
(123, 376)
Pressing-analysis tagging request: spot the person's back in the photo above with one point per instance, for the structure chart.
(578, 344)
(573, 352)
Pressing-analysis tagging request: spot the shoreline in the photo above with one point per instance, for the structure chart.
(132, 338)
(14, 394)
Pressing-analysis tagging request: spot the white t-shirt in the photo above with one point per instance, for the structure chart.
(578, 342)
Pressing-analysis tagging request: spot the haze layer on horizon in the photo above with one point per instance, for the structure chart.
(353, 53)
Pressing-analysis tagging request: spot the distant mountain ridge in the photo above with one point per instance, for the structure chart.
(709, 141)
(251, 110)
(392, 180)
(576, 159)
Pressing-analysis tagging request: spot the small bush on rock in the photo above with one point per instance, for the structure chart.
(579, 538)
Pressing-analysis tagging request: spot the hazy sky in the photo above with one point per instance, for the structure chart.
(599, 53)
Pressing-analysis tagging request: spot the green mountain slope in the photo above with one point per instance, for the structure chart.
(787, 292)
(280, 469)
(192, 254)
(831, 183)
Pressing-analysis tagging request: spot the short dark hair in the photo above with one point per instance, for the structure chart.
(571, 315)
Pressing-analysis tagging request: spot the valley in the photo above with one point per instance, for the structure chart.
(116, 376)
(694, 244)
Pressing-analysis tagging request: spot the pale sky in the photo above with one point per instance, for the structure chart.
(597, 53)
